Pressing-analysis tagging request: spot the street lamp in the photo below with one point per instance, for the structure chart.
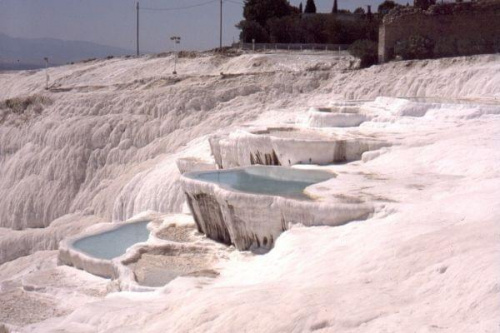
(176, 40)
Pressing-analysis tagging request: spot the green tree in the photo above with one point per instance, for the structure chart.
(334, 31)
(369, 14)
(366, 51)
(285, 29)
(424, 4)
(359, 11)
(262, 10)
(252, 30)
(386, 6)
(314, 29)
(310, 7)
(335, 7)
(300, 8)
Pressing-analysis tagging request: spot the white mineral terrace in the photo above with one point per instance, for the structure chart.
(401, 235)
(288, 146)
(95, 250)
(337, 116)
(250, 207)
(141, 255)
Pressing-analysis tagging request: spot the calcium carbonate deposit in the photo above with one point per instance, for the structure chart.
(103, 145)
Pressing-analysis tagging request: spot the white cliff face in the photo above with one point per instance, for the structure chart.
(103, 141)
(288, 146)
(459, 77)
(102, 146)
(428, 258)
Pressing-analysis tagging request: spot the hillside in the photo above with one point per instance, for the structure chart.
(24, 53)
(101, 146)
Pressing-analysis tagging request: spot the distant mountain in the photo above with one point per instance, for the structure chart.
(22, 53)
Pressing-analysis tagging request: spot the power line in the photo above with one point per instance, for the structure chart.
(179, 8)
(168, 9)
(235, 2)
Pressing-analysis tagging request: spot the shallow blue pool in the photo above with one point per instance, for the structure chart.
(268, 180)
(113, 243)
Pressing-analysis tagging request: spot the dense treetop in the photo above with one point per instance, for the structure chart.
(310, 7)
(276, 21)
(262, 10)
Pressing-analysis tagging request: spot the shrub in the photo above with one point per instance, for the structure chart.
(19, 105)
(365, 50)
(415, 47)
(187, 54)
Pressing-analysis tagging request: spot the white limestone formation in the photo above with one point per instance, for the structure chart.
(69, 255)
(141, 268)
(232, 215)
(339, 116)
(288, 146)
(101, 145)
(191, 164)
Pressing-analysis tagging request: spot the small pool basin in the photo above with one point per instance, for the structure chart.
(266, 180)
(113, 243)
(250, 207)
(337, 116)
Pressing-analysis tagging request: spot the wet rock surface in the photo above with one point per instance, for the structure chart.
(157, 268)
(181, 234)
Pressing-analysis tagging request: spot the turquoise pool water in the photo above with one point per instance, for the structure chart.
(267, 180)
(114, 243)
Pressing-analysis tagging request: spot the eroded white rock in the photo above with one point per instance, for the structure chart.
(289, 146)
(232, 212)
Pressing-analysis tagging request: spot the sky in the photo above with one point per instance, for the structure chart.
(113, 22)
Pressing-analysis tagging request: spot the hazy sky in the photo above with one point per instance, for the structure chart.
(112, 22)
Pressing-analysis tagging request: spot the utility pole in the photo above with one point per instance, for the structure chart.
(220, 33)
(137, 33)
(176, 40)
(46, 73)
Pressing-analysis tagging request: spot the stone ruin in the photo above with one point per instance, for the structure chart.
(475, 26)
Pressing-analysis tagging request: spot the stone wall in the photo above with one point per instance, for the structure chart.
(479, 21)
